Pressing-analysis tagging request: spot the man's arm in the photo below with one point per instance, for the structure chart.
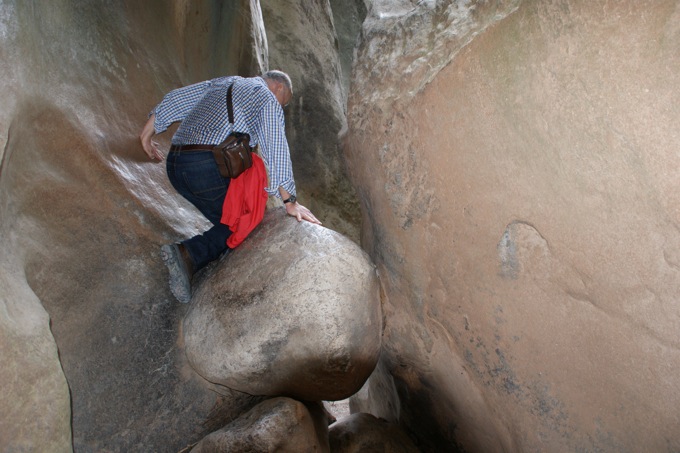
(271, 134)
(174, 107)
(274, 149)
(150, 147)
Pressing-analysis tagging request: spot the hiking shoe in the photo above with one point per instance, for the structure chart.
(180, 279)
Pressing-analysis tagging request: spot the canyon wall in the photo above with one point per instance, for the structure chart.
(517, 165)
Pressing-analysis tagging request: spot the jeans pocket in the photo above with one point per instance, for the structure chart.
(204, 181)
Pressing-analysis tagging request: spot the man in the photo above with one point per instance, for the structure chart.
(202, 109)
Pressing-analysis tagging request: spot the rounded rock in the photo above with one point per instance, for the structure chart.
(294, 311)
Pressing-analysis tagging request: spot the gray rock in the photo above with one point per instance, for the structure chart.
(347, 19)
(365, 433)
(278, 424)
(295, 310)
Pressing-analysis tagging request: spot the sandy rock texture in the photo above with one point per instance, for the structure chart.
(295, 310)
(278, 424)
(518, 181)
(83, 292)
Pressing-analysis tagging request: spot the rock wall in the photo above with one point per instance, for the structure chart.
(517, 167)
(303, 42)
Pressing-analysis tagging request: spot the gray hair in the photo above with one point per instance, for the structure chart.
(280, 77)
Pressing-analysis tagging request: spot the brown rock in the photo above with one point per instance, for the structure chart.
(518, 169)
(36, 412)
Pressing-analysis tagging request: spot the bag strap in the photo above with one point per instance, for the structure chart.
(230, 105)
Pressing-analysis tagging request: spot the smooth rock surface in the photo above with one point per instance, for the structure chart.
(518, 168)
(294, 310)
(362, 432)
(278, 424)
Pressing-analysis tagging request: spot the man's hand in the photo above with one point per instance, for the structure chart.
(301, 213)
(150, 147)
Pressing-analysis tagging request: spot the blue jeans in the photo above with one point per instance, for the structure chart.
(196, 177)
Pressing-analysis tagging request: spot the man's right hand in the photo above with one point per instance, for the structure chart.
(301, 213)
(150, 147)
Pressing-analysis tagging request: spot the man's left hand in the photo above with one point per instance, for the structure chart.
(301, 213)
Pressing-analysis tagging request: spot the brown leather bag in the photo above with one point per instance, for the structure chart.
(233, 155)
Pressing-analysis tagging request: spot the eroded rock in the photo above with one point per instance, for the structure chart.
(295, 310)
(279, 424)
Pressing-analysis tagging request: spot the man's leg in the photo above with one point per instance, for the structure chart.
(196, 177)
(206, 247)
(179, 268)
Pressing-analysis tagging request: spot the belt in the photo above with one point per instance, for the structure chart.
(189, 148)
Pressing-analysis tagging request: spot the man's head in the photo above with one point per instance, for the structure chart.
(279, 83)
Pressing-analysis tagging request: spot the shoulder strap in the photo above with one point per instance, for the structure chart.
(230, 105)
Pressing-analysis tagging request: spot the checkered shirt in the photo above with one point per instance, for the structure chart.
(202, 109)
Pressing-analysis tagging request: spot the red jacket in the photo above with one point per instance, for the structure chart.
(245, 202)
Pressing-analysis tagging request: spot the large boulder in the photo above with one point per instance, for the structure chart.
(278, 424)
(295, 310)
(518, 166)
